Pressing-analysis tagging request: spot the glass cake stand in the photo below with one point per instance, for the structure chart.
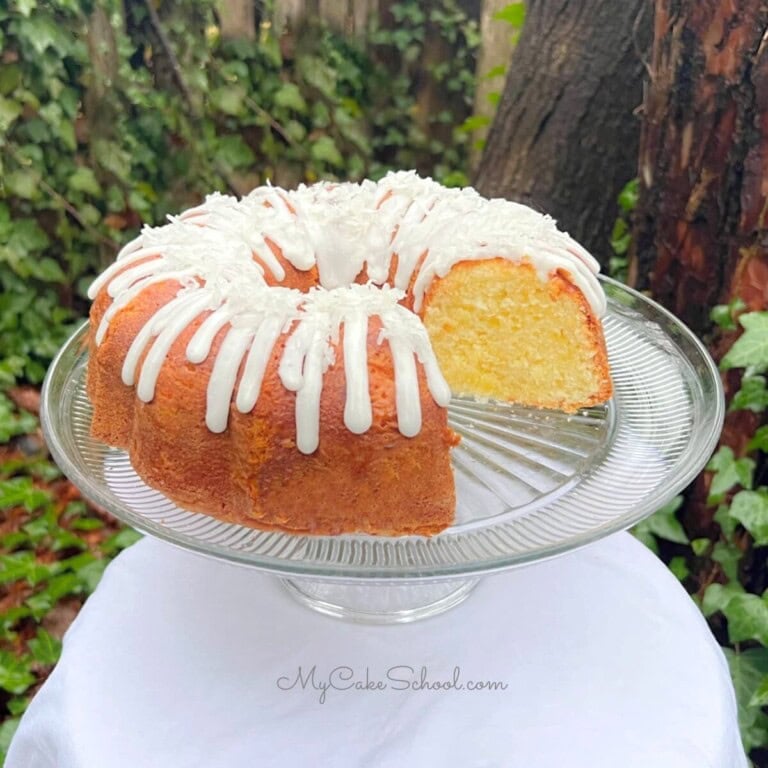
(531, 484)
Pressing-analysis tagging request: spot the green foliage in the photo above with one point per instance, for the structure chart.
(751, 349)
(55, 553)
(727, 572)
(621, 236)
(724, 315)
(753, 395)
(749, 670)
(402, 133)
(512, 14)
(750, 508)
(102, 128)
(662, 525)
(91, 146)
(14, 422)
(728, 472)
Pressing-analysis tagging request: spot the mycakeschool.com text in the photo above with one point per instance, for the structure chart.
(401, 677)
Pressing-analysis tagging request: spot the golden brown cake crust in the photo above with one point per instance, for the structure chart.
(253, 472)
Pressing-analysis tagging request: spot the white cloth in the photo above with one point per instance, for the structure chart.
(175, 662)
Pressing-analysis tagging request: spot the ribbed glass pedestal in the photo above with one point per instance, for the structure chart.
(530, 484)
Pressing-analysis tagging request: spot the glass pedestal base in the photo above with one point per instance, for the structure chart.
(530, 484)
(379, 602)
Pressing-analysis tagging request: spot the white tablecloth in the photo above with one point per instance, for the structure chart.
(600, 659)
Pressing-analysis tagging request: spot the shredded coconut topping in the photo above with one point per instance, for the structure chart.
(221, 251)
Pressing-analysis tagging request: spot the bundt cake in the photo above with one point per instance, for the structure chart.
(285, 360)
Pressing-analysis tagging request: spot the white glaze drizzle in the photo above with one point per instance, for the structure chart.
(172, 326)
(221, 384)
(199, 346)
(358, 412)
(310, 351)
(264, 341)
(219, 252)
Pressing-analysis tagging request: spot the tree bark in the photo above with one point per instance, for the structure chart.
(701, 235)
(495, 52)
(98, 107)
(348, 16)
(565, 136)
(237, 19)
(700, 226)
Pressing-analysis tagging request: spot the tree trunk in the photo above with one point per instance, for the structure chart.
(237, 19)
(348, 16)
(430, 95)
(98, 107)
(565, 137)
(700, 236)
(495, 51)
(701, 218)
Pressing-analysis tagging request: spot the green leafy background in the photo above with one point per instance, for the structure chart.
(111, 117)
(106, 123)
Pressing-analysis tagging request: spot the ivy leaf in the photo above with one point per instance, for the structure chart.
(87, 524)
(7, 730)
(747, 616)
(513, 14)
(113, 158)
(679, 568)
(20, 491)
(9, 111)
(750, 508)
(229, 99)
(760, 440)
(718, 596)
(289, 96)
(23, 565)
(621, 237)
(42, 31)
(662, 524)
(14, 423)
(728, 556)
(45, 648)
(84, 180)
(324, 150)
(753, 396)
(498, 71)
(321, 76)
(723, 314)
(750, 350)
(120, 541)
(15, 674)
(454, 179)
(234, 152)
(729, 471)
(46, 269)
(56, 588)
(24, 183)
(90, 574)
(27, 236)
(474, 122)
(760, 696)
(629, 195)
(700, 546)
(748, 669)
(10, 77)
(17, 706)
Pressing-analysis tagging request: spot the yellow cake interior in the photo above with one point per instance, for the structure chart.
(500, 332)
